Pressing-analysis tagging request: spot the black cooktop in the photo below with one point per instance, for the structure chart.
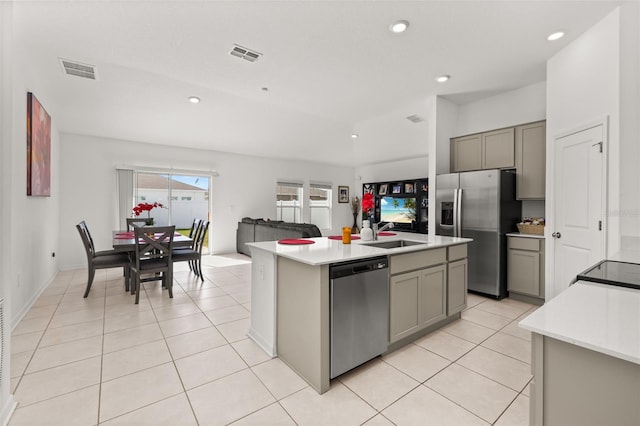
(623, 274)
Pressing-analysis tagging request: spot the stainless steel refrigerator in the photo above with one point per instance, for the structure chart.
(480, 205)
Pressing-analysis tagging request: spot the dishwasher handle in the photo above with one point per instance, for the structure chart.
(358, 267)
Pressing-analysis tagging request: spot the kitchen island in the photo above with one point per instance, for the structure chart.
(586, 357)
(290, 303)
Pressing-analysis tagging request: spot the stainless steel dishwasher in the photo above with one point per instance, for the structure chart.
(359, 295)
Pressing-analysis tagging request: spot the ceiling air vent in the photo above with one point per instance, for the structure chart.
(78, 69)
(415, 118)
(244, 53)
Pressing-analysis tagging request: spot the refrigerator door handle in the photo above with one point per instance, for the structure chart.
(455, 212)
(459, 212)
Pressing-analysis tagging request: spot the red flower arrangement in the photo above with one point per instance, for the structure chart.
(367, 202)
(146, 207)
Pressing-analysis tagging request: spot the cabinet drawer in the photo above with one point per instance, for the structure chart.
(519, 243)
(416, 260)
(457, 252)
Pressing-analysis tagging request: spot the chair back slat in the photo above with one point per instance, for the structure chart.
(154, 241)
(195, 226)
(133, 222)
(86, 239)
(199, 242)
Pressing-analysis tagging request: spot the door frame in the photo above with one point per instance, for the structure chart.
(550, 204)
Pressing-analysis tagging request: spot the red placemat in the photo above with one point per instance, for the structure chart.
(339, 237)
(293, 241)
(386, 234)
(125, 233)
(123, 237)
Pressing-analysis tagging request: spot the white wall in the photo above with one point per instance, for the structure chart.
(245, 187)
(630, 127)
(519, 106)
(33, 231)
(583, 87)
(595, 77)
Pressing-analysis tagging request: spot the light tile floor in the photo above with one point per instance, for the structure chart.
(187, 361)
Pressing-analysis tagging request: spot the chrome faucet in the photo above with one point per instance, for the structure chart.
(389, 225)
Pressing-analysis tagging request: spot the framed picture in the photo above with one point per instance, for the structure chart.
(396, 189)
(409, 188)
(343, 194)
(367, 188)
(38, 148)
(383, 189)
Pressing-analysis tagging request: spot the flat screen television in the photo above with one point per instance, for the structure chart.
(398, 209)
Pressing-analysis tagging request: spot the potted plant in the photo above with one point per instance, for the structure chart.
(146, 207)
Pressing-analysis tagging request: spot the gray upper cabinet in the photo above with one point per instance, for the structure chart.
(498, 149)
(530, 161)
(482, 151)
(466, 153)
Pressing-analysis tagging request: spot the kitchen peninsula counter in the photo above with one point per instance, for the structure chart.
(290, 307)
(325, 251)
(586, 356)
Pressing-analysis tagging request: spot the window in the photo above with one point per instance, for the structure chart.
(320, 196)
(289, 202)
(185, 198)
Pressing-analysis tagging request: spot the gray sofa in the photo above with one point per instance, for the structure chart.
(257, 230)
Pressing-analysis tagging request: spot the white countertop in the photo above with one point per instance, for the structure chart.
(599, 317)
(517, 234)
(326, 251)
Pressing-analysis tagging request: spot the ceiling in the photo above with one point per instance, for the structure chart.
(327, 66)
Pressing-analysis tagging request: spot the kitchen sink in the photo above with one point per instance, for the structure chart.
(394, 244)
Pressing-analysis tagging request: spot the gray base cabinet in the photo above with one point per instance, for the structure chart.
(419, 300)
(457, 274)
(426, 287)
(525, 266)
(577, 386)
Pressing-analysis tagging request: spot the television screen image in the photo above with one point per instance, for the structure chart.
(398, 210)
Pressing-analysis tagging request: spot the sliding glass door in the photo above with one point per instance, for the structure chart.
(183, 198)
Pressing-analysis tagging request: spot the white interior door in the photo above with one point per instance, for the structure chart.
(578, 228)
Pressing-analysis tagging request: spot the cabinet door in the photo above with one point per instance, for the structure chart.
(403, 309)
(523, 274)
(466, 153)
(498, 149)
(457, 288)
(432, 306)
(531, 161)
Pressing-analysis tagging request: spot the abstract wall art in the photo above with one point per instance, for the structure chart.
(38, 148)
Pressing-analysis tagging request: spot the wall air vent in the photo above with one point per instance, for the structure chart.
(78, 69)
(415, 118)
(244, 53)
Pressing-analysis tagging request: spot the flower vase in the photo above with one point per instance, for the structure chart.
(354, 228)
(149, 221)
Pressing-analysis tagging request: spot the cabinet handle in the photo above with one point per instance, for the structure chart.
(556, 235)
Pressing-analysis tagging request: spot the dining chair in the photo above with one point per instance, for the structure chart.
(153, 256)
(194, 255)
(133, 222)
(104, 259)
(193, 234)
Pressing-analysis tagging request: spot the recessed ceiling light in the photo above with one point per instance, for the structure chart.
(399, 26)
(555, 36)
(194, 99)
(354, 136)
(443, 78)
